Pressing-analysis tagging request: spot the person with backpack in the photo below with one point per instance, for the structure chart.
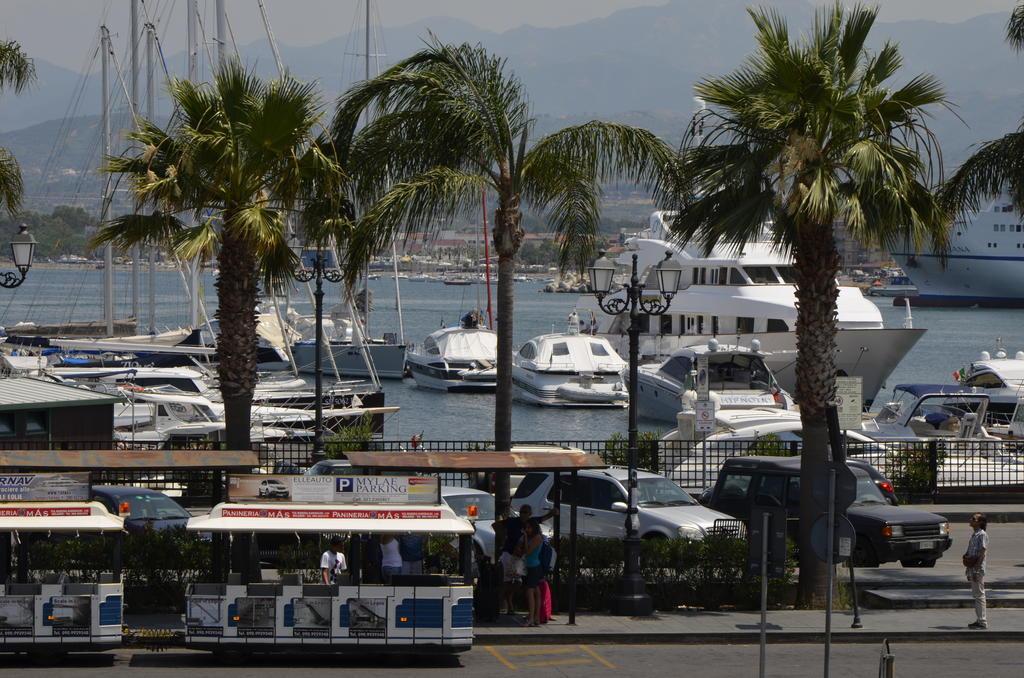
(412, 548)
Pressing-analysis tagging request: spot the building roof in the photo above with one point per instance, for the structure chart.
(22, 393)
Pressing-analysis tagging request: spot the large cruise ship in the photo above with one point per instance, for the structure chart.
(984, 265)
(740, 296)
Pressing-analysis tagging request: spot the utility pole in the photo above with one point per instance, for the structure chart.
(108, 249)
(151, 115)
(134, 44)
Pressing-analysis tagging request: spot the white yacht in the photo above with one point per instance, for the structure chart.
(983, 267)
(569, 370)
(738, 378)
(1001, 378)
(457, 359)
(739, 296)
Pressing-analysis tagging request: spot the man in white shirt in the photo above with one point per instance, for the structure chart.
(974, 561)
(332, 562)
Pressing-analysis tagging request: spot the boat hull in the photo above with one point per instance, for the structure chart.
(871, 354)
(438, 379)
(548, 390)
(388, 359)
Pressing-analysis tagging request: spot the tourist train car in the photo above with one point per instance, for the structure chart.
(426, 613)
(55, 614)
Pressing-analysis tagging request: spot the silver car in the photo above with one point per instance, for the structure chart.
(478, 507)
(665, 510)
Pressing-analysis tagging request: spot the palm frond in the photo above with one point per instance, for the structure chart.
(11, 187)
(126, 231)
(16, 68)
(996, 165)
(1015, 28)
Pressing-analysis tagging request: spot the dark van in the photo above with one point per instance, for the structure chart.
(885, 533)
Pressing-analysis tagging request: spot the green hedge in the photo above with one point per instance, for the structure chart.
(710, 573)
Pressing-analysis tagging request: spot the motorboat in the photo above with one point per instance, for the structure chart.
(740, 294)
(930, 412)
(351, 354)
(893, 284)
(458, 359)
(738, 378)
(1001, 378)
(569, 370)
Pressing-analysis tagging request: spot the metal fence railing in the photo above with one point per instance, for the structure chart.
(938, 470)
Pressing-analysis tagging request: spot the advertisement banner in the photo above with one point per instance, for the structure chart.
(334, 489)
(70, 615)
(255, 617)
(17, 616)
(44, 487)
(367, 617)
(311, 617)
(203, 616)
(330, 514)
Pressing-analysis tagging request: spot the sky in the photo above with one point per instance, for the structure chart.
(64, 31)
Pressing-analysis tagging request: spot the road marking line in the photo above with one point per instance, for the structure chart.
(598, 657)
(497, 655)
(538, 651)
(559, 662)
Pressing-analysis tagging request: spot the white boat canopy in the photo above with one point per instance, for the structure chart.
(459, 343)
(58, 516)
(332, 518)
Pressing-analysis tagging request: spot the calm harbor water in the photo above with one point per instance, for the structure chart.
(954, 338)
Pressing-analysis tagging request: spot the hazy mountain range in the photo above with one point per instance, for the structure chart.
(637, 65)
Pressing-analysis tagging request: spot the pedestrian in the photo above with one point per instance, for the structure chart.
(533, 541)
(411, 547)
(974, 561)
(332, 562)
(511, 552)
(390, 557)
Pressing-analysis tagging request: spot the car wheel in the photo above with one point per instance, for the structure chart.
(864, 553)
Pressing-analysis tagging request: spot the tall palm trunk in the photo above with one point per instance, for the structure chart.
(237, 292)
(508, 236)
(816, 261)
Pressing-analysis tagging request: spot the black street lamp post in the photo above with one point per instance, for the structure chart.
(631, 597)
(23, 246)
(319, 271)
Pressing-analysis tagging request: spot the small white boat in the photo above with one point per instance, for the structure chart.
(457, 359)
(569, 370)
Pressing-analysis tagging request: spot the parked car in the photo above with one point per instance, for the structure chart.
(665, 510)
(272, 488)
(141, 507)
(478, 507)
(885, 533)
(883, 484)
(331, 467)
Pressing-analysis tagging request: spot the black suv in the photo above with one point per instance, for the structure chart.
(885, 533)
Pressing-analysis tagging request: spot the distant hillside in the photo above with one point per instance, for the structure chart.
(637, 65)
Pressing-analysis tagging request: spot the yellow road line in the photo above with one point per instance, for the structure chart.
(529, 652)
(497, 655)
(595, 655)
(559, 662)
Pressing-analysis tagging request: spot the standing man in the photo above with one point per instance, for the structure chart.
(332, 562)
(974, 561)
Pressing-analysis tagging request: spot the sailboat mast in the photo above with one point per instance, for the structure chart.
(487, 257)
(151, 115)
(222, 33)
(366, 271)
(108, 249)
(193, 75)
(134, 45)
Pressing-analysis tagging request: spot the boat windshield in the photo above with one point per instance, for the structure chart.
(737, 371)
(678, 368)
(901, 400)
(661, 492)
(761, 275)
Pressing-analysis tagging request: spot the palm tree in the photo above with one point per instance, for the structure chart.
(450, 122)
(17, 71)
(804, 134)
(996, 165)
(238, 157)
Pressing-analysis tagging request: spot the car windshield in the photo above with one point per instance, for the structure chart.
(152, 507)
(867, 491)
(661, 492)
(484, 504)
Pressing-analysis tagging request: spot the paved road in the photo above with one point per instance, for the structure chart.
(934, 660)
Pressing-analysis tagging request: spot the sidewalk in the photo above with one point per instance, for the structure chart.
(785, 626)
(961, 513)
